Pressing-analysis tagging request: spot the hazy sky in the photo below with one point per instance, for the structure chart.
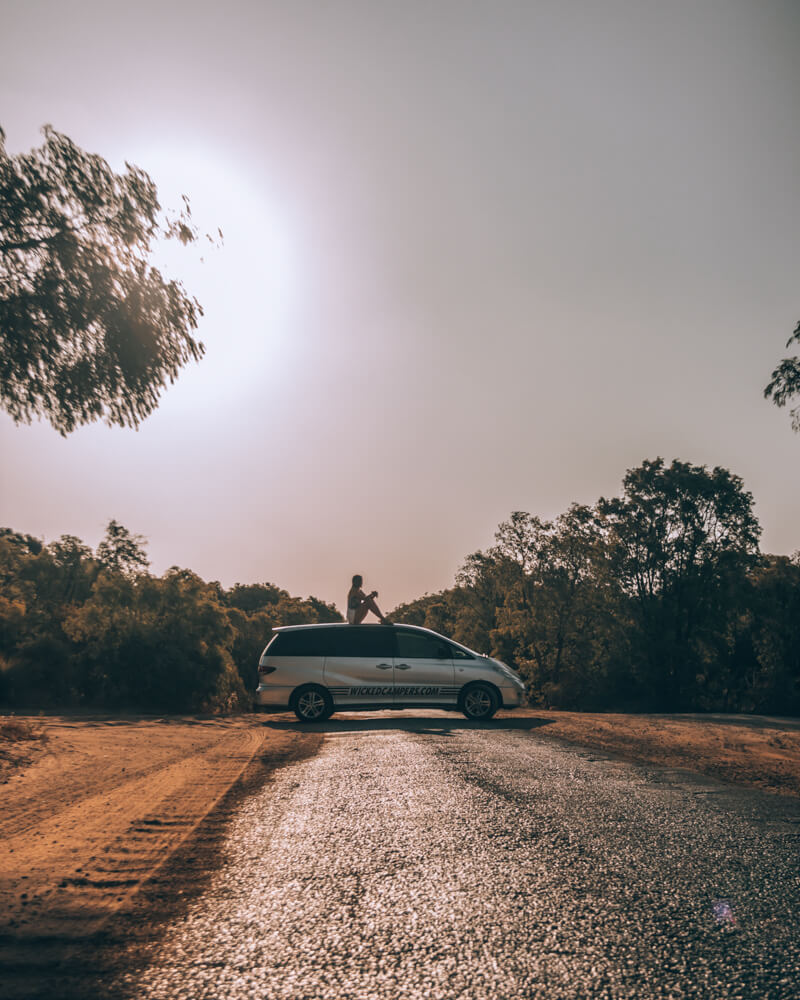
(479, 257)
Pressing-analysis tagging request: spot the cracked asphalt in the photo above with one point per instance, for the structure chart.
(435, 858)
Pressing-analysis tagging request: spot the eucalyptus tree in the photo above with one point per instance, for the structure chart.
(89, 329)
(770, 639)
(122, 552)
(680, 541)
(784, 383)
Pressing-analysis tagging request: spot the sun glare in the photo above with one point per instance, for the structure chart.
(247, 282)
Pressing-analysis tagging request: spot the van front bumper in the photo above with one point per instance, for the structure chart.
(512, 696)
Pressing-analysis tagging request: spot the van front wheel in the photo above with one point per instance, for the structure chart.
(479, 701)
(312, 704)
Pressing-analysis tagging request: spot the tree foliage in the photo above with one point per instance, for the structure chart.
(158, 643)
(680, 540)
(655, 599)
(88, 329)
(97, 629)
(121, 552)
(784, 384)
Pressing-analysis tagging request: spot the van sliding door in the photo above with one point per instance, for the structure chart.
(359, 669)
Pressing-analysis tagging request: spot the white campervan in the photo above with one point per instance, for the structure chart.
(316, 669)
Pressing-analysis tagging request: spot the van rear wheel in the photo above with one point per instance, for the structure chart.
(312, 704)
(479, 701)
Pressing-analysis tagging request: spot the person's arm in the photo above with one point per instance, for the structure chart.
(362, 597)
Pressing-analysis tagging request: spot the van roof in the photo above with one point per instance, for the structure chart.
(374, 625)
(297, 628)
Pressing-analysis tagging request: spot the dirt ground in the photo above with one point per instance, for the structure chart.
(755, 751)
(93, 808)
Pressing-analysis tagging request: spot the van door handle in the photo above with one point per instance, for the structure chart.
(403, 666)
(383, 666)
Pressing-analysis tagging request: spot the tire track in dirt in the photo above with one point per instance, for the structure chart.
(65, 874)
(97, 851)
(80, 956)
(68, 771)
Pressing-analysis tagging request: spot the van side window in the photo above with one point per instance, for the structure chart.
(304, 642)
(418, 646)
(361, 640)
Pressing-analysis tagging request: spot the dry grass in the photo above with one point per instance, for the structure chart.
(744, 750)
(20, 740)
(13, 730)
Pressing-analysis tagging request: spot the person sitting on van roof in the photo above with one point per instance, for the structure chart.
(359, 603)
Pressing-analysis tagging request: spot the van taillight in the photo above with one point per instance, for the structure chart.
(266, 670)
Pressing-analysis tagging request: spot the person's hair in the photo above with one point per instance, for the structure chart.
(357, 580)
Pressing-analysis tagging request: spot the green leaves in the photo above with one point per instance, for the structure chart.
(88, 329)
(784, 384)
(97, 628)
(638, 600)
(121, 552)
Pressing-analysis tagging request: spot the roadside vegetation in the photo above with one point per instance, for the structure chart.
(19, 741)
(655, 600)
(13, 730)
(96, 629)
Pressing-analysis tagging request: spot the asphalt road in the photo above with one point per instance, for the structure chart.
(432, 858)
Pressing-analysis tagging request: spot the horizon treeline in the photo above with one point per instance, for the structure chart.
(96, 629)
(655, 600)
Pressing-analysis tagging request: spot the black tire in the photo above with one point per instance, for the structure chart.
(312, 704)
(479, 702)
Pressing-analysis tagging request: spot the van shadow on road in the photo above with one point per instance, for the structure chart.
(443, 725)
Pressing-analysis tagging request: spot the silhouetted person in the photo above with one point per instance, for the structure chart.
(359, 603)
